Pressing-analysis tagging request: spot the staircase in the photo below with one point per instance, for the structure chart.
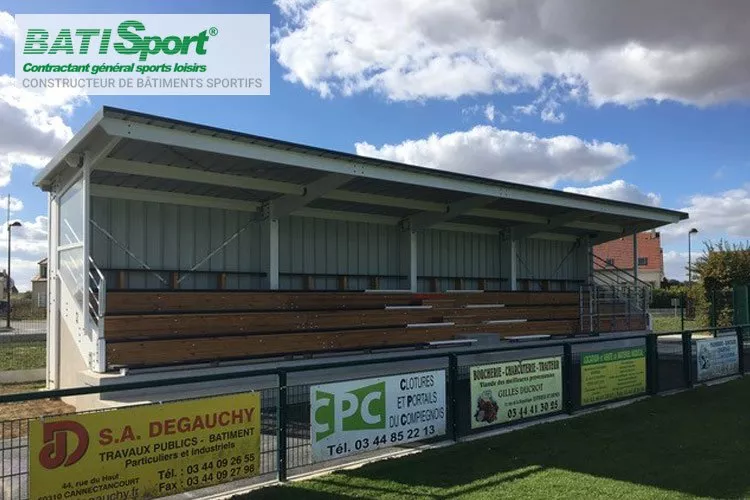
(614, 301)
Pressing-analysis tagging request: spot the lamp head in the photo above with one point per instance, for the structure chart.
(14, 224)
(693, 231)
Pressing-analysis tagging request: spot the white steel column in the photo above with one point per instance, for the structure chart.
(53, 282)
(513, 262)
(413, 261)
(589, 260)
(635, 259)
(272, 231)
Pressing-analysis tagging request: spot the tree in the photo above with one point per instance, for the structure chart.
(722, 266)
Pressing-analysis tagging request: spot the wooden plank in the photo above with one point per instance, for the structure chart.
(530, 313)
(118, 328)
(164, 352)
(167, 301)
(122, 302)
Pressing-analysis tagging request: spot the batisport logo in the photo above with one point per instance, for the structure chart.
(145, 54)
(359, 409)
(58, 449)
(129, 39)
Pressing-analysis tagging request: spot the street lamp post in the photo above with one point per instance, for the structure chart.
(690, 257)
(7, 276)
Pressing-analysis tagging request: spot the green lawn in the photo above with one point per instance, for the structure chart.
(693, 444)
(22, 355)
(672, 324)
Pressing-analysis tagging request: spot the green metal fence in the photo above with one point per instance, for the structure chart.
(670, 363)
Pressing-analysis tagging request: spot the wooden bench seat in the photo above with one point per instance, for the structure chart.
(152, 328)
(175, 351)
(140, 302)
(195, 325)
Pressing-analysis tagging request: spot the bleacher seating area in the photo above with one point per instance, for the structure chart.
(156, 328)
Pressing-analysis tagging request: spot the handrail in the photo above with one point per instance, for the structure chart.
(97, 293)
(607, 266)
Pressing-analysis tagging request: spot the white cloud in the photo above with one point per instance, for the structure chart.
(508, 155)
(31, 125)
(489, 112)
(7, 26)
(551, 114)
(16, 205)
(619, 190)
(723, 215)
(675, 264)
(608, 51)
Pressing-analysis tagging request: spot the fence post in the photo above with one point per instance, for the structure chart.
(652, 364)
(568, 378)
(281, 430)
(682, 312)
(687, 358)
(740, 349)
(452, 394)
(714, 315)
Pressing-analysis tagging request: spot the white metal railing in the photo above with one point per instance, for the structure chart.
(599, 302)
(97, 293)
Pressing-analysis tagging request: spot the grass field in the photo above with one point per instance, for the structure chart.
(672, 324)
(23, 355)
(693, 444)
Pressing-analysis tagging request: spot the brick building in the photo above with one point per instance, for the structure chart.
(618, 255)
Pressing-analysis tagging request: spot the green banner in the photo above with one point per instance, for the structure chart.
(515, 390)
(612, 374)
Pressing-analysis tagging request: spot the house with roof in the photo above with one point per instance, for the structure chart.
(39, 284)
(614, 260)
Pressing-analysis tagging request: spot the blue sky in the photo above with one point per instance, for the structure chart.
(656, 113)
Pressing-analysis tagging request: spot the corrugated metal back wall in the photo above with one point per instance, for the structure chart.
(449, 254)
(175, 237)
(550, 259)
(359, 250)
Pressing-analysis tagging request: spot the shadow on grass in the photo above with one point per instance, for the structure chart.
(694, 443)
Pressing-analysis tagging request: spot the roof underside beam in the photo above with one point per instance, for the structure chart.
(290, 203)
(550, 224)
(264, 152)
(154, 170)
(424, 220)
(155, 196)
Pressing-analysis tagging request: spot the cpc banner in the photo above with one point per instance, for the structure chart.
(144, 54)
(146, 451)
(363, 415)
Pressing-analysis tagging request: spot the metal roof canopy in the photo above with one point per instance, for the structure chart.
(137, 156)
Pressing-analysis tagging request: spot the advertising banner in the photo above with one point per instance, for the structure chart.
(144, 54)
(515, 390)
(146, 451)
(362, 415)
(612, 374)
(717, 357)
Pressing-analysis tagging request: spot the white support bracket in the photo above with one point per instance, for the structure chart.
(290, 203)
(425, 220)
(527, 230)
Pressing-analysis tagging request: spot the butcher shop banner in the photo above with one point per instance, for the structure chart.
(515, 390)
